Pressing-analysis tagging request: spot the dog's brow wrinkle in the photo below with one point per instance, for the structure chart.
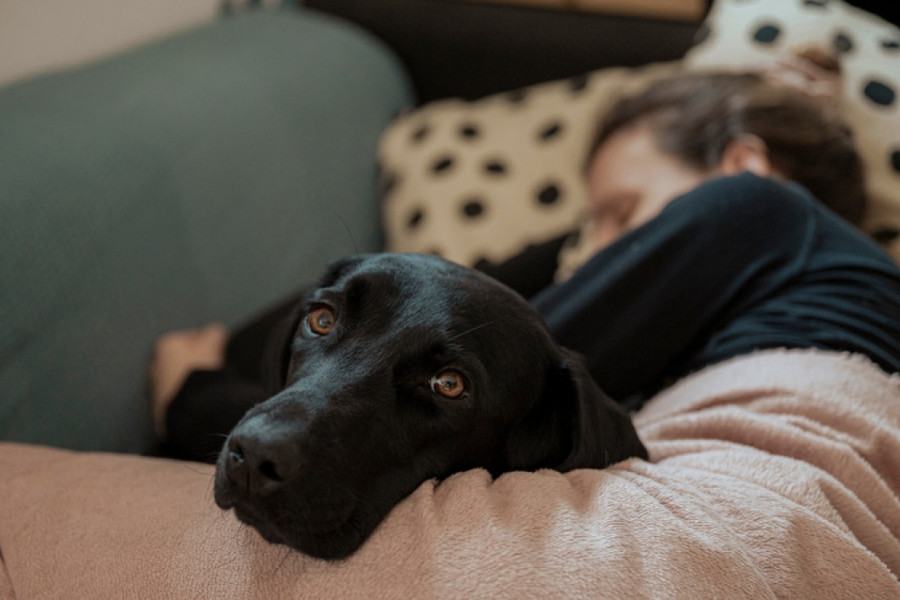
(476, 328)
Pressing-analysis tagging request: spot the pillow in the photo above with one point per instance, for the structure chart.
(773, 475)
(739, 33)
(483, 180)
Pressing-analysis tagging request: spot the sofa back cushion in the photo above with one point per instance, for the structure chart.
(195, 179)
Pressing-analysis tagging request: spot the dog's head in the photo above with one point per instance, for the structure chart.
(398, 369)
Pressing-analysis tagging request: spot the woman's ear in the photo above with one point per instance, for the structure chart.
(746, 153)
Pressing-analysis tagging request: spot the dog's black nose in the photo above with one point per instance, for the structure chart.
(259, 459)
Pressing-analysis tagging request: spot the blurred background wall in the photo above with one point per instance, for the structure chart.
(41, 35)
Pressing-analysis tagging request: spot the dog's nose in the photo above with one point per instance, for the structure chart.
(259, 459)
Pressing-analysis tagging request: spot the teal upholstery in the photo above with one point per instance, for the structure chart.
(194, 179)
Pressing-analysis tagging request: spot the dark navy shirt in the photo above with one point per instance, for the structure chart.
(738, 264)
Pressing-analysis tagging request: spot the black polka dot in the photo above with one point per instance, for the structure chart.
(473, 208)
(442, 165)
(879, 92)
(578, 83)
(895, 161)
(842, 42)
(550, 131)
(816, 3)
(415, 218)
(388, 182)
(572, 239)
(420, 133)
(890, 45)
(469, 131)
(549, 195)
(495, 167)
(766, 34)
(517, 96)
(886, 235)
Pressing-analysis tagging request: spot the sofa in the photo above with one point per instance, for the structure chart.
(198, 178)
(209, 174)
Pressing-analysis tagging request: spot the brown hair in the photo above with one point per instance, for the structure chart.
(695, 116)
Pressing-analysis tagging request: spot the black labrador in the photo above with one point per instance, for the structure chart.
(399, 369)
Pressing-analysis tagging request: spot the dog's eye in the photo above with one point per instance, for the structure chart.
(449, 384)
(321, 321)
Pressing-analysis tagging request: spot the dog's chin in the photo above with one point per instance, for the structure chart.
(331, 532)
(334, 543)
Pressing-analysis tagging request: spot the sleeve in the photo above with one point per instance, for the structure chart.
(645, 301)
(211, 402)
(206, 408)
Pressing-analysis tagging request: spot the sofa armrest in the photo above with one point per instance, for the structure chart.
(194, 179)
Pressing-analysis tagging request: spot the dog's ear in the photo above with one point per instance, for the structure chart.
(277, 352)
(278, 348)
(573, 424)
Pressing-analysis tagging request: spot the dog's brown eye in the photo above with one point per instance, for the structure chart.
(321, 321)
(449, 384)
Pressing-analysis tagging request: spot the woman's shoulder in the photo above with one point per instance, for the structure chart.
(747, 195)
(779, 216)
(744, 208)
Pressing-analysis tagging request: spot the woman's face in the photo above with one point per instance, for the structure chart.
(630, 180)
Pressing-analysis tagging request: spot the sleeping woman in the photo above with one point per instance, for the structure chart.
(721, 221)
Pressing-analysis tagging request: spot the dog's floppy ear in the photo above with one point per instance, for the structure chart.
(573, 424)
(277, 352)
(278, 349)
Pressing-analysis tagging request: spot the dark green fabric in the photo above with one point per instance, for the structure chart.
(194, 179)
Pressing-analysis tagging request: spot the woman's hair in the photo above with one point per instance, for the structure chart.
(695, 116)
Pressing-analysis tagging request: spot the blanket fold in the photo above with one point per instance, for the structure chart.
(775, 475)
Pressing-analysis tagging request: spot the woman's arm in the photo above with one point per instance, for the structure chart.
(638, 307)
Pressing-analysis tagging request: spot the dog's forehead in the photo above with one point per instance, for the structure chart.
(427, 286)
(411, 275)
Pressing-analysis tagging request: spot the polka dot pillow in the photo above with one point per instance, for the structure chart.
(483, 180)
(738, 33)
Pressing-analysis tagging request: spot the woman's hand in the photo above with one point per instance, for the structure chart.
(814, 72)
(177, 354)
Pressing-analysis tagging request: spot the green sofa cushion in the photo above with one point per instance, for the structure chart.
(194, 179)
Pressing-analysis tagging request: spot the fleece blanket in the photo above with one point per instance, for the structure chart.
(771, 476)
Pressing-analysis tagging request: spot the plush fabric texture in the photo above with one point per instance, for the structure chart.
(772, 475)
(484, 179)
(197, 178)
(738, 33)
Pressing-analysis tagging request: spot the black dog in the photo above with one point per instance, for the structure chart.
(403, 368)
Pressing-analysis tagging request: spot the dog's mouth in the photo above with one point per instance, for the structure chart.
(323, 526)
(334, 541)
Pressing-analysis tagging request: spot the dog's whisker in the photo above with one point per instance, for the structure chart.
(346, 228)
(288, 552)
(210, 489)
(194, 469)
(476, 328)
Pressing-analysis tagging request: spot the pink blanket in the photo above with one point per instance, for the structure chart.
(775, 475)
